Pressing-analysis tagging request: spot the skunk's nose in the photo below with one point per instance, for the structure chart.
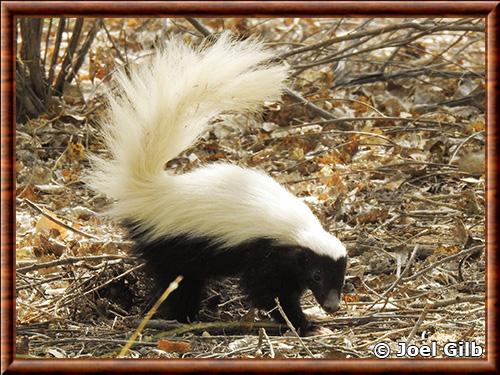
(331, 307)
(332, 302)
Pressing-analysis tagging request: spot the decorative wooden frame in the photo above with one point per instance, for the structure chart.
(12, 9)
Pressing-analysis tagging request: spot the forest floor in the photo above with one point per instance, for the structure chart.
(394, 166)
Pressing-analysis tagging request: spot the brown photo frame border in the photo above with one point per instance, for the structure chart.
(11, 9)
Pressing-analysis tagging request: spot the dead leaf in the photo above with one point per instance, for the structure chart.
(359, 107)
(332, 179)
(50, 188)
(132, 22)
(462, 232)
(45, 245)
(29, 193)
(350, 298)
(323, 196)
(45, 225)
(217, 156)
(393, 107)
(70, 174)
(351, 147)
(446, 250)
(472, 162)
(373, 216)
(174, 346)
(76, 151)
(297, 153)
(331, 158)
(470, 202)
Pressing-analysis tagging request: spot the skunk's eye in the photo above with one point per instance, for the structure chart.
(317, 277)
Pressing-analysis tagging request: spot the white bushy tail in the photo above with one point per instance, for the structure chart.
(163, 107)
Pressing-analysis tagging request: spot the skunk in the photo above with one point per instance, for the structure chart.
(219, 220)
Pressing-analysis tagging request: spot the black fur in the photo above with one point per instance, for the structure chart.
(267, 270)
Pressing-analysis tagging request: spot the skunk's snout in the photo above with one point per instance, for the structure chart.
(332, 302)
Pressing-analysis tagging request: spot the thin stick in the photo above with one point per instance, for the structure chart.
(359, 102)
(173, 286)
(461, 144)
(417, 324)
(292, 328)
(56, 220)
(385, 295)
(56, 163)
(381, 118)
(407, 268)
(205, 326)
(110, 38)
(296, 97)
(453, 301)
(199, 26)
(271, 349)
(69, 260)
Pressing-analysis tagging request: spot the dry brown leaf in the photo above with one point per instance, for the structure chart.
(461, 232)
(331, 158)
(70, 174)
(351, 147)
(217, 156)
(47, 246)
(323, 196)
(76, 151)
(393, 107)
(332, 178)
(476, 126)
(45, 225)
(174, 346)
(132, 22)
(446, 250)
(470, 202)
(298, 153)
(472, 162)
(360, 108)
(373, 216)
(350, 298)
(29, 193)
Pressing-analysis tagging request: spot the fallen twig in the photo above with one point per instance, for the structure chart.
(271, 349)
(56, 220)
(452, 301)
(69, 260)
(173, 286)
(417, 324)
(292, 328)
(203, 326)
(405, 271)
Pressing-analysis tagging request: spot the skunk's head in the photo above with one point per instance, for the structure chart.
(325, 278)
(324, 262)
